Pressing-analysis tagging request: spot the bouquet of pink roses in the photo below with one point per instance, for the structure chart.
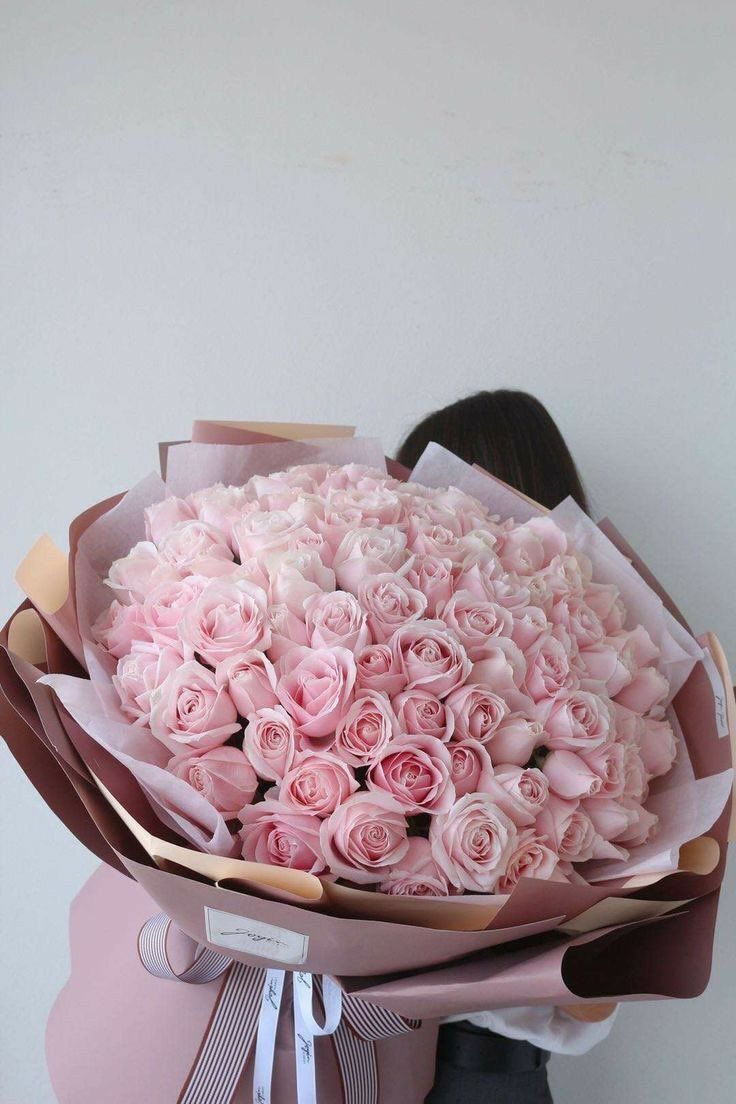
(385, 682)
(290, 675)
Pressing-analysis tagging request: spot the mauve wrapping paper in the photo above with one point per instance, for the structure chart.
(665, 957)
(92, 1060)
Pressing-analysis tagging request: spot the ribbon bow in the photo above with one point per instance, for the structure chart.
(246, 1011)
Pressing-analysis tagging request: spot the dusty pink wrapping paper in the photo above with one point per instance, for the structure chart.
(665, 957)
(92, 1060)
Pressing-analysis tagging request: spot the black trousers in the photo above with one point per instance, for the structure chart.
(475, 1066)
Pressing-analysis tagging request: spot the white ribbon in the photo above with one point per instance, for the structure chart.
(306, 1029)
(273, 988)
(247, 1011)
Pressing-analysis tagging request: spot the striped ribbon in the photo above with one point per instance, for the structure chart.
(246, 1012)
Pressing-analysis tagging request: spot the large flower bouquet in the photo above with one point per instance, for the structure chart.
(385, 682)
(291, 675)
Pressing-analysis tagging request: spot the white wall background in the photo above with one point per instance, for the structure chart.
(340, 211)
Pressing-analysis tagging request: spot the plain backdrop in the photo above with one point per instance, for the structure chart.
(354, 212)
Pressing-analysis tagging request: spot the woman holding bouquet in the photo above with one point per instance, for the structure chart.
(502, 1055)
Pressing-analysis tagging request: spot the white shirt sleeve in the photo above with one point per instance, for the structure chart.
(544, 1026)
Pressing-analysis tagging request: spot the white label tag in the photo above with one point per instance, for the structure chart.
(719, 693)
(240, 933)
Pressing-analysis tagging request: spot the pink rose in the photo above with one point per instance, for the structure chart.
(605, 601)
(227, 619)
(308, 476)
(567, 829)
(602, 668)
(162, 517)
(473, 842)
(286, 483)
(389, 602)
(366, 729)
(141, 672)
(165, 604)
(415, 770)
(188, 708)
(470, 513)
(642, 827)
(433, 577)
(526, 785)
(261, 533)
(430, 657)
(570, 776)
(577, 720)
(635, 773)
(279, 837)
(119, 627)
(647, 688)
(531, 858)
(365, 552)
(421, 712)
(527, 549)
(360, 476)
(270, 742)
(470, 767)
(335, 619)
(250, 680)
(566, 576)
(475, 622)
(223, 776)
(607, 761)
(529, 624)
(512, 593)
(287, 631)
(502, 668)
(192, 544)
(141, 570)
(657, 747)
(417, 875)
(479, 577)
(478, 545)
(637, 645)
(628, 726)
(316, 689)
(364, 837)
(249, 571)
(514, 740)
(380, 506)
(610, 818)
(296, 577)
(549, 670)
(221, 507)
(316, 784)
(477, 711)
(429, 538)
(377, 669)
(580, 621)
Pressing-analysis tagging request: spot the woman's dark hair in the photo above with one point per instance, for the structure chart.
(510, 434)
